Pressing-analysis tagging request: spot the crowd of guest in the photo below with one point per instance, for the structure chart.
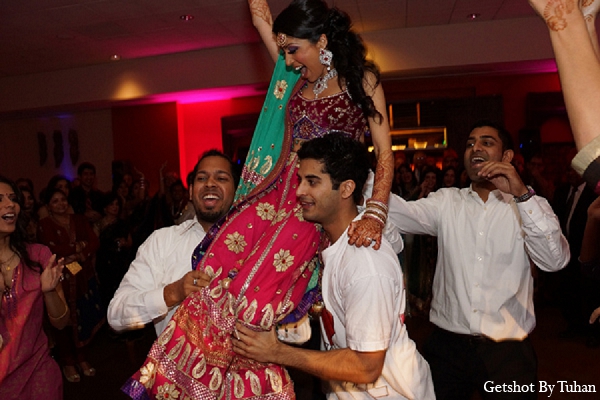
(95, 234)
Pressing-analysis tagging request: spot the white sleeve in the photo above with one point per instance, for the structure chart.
(418, 217)
(544, 240)
(139, 299)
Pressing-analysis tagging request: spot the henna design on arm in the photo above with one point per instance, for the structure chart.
(260, 9)
(384, 175)
(555, 11)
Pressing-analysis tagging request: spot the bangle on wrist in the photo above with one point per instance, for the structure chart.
(63, 314)
(530, 193)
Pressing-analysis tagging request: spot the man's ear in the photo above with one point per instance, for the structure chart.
(347, 188)
(508, 155)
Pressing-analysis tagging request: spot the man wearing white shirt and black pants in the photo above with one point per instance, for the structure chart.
(161, 275)
(483, 288)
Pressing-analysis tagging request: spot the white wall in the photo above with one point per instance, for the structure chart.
(19, 150)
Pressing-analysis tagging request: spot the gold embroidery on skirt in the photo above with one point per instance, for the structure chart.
(191, 360)
(183, 360)
(167, 334)
(275, 379)
(216, 292)
(174, 353)
(200, 368)
(235, 242)
(254, 383)
(268, 316)
(216, 380)
(238, 386)
(250, 311)
(148, 373)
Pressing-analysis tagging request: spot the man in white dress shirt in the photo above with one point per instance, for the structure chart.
(161, 275)
(369, 352)
(488, 235)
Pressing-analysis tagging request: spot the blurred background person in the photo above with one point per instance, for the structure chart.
(450, 177)
(114, 254)
(71, 237)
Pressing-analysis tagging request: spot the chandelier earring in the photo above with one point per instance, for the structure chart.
(325, 56)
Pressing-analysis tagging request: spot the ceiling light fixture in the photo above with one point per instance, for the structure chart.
(473, 16)
(186, 17)
(115, 57)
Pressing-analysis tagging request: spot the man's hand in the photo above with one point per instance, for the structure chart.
(174, 293)
(258, 346)
(504, 176)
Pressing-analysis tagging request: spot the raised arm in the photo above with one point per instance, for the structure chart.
(263, 22)
(574, 42)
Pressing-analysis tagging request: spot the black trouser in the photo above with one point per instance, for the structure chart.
(461, 364)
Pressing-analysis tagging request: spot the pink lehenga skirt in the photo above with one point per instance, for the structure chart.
(261, 261)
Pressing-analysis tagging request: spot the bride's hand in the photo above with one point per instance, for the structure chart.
(554, 12)
(364, 232)
(260, 9)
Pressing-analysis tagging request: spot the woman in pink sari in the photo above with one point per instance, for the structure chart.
(263, 254)
(30, 281)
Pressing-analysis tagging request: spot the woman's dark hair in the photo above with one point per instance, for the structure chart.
(429, 169)
(108, 198)
(54, 181)
(309, 19)
(19, 239)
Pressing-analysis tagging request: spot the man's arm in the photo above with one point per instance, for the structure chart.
(339, 364)
(544, 241)
(145, 293)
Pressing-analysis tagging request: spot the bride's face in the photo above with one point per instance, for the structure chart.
(302, 55)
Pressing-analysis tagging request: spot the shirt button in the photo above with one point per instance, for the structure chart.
(480, 233)
(479, 258)
(530, 212)
(475, 311)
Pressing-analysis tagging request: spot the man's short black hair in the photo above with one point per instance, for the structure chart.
(85, 165)
(343, 159)
(215, 153)
(503, 134)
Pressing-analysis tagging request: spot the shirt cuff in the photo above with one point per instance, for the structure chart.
(155, 300)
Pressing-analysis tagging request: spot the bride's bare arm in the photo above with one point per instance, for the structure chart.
(574, 42)
(263, 22)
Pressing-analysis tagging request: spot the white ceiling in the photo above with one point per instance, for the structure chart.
(41, 35)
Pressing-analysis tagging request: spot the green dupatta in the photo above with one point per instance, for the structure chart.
(266, 146)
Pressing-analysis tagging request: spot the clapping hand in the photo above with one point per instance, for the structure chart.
(52, 274)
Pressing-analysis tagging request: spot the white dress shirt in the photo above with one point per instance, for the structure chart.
(165, 257)
(483, 283)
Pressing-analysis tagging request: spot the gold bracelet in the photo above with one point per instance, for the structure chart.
(61, 317)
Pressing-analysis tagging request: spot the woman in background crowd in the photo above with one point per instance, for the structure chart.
(71, 237)
(113, 255)
(29, 287)
(56, 182)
